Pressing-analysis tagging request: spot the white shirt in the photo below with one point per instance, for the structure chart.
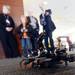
(33, 22)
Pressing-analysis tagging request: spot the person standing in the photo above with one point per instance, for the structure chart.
(35, 32)
(24, 31)
(49, 27)
(7, 37)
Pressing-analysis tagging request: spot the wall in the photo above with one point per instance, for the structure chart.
(63, 14)
(16, 12)
(16, 8)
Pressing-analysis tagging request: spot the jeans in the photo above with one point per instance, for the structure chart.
(26, 46)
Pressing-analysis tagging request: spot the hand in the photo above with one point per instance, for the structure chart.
(24, 30)
(9, 29)
(21, 30)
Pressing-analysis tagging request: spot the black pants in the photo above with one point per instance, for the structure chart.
(9, 44)
(4, 42)
(12, 44)
(49, 36)
(34, 37)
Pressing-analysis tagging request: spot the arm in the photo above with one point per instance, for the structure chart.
(37, 25)
(42, 20)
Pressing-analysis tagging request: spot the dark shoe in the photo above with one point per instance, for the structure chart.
(35, 53)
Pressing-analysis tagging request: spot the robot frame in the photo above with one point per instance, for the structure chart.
(61, 55)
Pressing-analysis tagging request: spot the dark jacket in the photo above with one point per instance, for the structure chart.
(47, 23)
(29, 33)
(37, 24)
(3, 23)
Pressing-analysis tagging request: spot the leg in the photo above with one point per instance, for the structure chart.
(29, 46)
(36, 35)
(5, 47)
(24, 48)
(34, 45)
(51, 42)
(46, 41)
(12, 45)
(3, 39)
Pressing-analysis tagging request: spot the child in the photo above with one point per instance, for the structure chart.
(25, 39)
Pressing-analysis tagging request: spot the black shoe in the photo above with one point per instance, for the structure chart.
(35, 53)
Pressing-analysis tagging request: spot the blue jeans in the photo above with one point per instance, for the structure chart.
(26, 46)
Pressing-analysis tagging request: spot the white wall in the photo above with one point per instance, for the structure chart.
(63, 14)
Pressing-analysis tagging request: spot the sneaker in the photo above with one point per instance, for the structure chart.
(28, 55)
